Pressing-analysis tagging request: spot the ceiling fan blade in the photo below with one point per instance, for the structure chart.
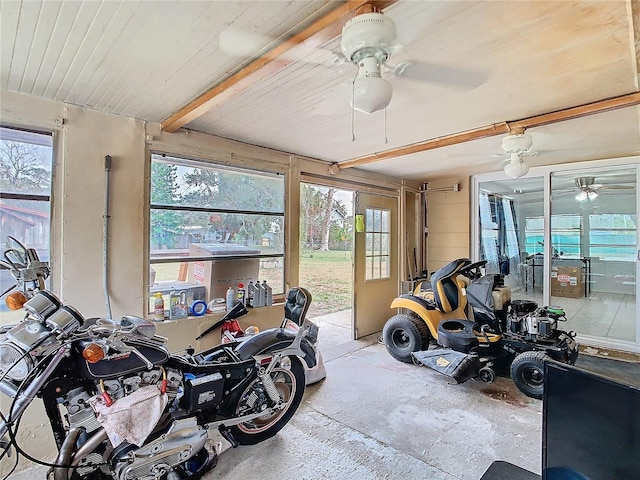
(443, 74)
(241, 43)
(613, 187)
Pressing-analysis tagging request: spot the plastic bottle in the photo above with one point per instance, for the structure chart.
(241, 293)
(158, 307)
(231, 298)
(268, 294)
(258, 295)
(250, 292)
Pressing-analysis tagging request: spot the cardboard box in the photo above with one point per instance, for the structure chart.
(219, 274)
(567, 282)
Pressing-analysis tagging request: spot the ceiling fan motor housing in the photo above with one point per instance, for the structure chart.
(518, 143)
(368, 34)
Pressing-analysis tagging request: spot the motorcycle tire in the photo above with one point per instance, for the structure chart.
(527, 372)
(404, 334)
(290, 383)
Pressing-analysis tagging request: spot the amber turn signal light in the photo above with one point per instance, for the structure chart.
(16, 300)
(93, 353)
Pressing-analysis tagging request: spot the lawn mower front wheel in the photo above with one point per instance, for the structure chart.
(527, 372)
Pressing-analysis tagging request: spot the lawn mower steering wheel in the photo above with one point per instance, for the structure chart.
(472, 271)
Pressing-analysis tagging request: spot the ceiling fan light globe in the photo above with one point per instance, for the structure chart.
(591, 195)
(516, 169)
(581, 196)
(371, 94)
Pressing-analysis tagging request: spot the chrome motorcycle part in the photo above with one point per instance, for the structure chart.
(184, 439)
(31, 336)
(270, 387)
(14, 363)
(42, 305)
(64, 321)
(289, 384)
(24, 397)
(80, 413)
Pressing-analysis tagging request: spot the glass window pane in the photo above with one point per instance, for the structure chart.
(222, 233)
(376, 267)
(384, 268)
(28, 221)
(385, 221)
(183, 182)
(368, 275)
(376, 221)
(25, 162)
(234, 231)
(384, 246)
(369, 244)
(368, 224)
(376, 243)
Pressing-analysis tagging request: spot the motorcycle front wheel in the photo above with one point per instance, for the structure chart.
(290, 383)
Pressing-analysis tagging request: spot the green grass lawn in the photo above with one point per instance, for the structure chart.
(328, 276)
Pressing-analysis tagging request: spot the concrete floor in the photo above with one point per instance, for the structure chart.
(374, 418)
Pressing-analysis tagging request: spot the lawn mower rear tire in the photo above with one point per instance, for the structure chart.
(403, 334)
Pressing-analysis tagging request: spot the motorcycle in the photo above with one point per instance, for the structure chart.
(480, 329)
(122, 407)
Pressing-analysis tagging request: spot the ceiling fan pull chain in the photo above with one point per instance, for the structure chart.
(353, 113)
(386, 140)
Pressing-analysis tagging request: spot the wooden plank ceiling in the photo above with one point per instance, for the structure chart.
(153, 59)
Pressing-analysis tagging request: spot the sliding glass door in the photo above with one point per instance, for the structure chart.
(594, 240)
(511, 231)
(567, 237)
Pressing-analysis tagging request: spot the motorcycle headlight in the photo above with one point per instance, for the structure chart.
(14, 363)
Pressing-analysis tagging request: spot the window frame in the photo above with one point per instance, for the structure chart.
(192, 162)
(44, 198)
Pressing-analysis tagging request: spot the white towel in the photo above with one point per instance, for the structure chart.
(131, 418)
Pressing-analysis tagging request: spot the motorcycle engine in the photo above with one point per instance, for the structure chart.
(80, 413)
(184, 440)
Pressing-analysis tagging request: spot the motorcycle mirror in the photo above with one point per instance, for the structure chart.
(138, 325)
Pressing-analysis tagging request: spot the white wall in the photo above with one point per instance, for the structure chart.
(82, 139)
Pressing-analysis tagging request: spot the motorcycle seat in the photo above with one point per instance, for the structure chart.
(296, 305)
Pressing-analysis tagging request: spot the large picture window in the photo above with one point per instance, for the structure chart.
(26, 160)
(214, 227)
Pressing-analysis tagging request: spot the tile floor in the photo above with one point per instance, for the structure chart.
(607, 315)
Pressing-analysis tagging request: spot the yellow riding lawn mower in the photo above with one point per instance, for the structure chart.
(478, 329)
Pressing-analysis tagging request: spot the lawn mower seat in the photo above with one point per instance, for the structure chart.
(296, 304)
(446, 291)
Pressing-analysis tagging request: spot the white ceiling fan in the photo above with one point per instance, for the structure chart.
(517, 145)
(369, 39)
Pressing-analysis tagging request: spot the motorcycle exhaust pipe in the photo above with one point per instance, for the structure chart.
(66, 452)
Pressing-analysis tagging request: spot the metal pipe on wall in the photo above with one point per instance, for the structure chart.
(105, 235)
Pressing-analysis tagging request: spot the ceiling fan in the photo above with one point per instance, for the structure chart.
(368, 41)
(517, 145)
(588, 190)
